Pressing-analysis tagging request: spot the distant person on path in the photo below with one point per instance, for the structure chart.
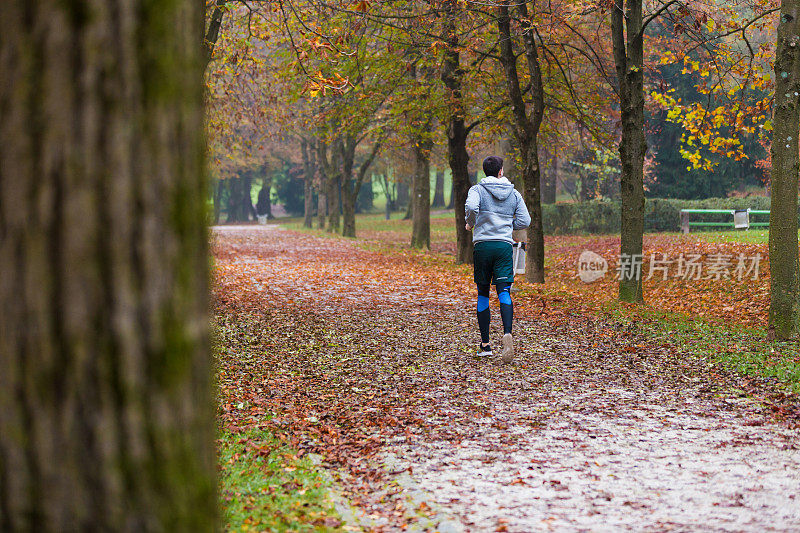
(494, 208)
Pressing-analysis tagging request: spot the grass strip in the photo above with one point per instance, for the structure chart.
(267, 486)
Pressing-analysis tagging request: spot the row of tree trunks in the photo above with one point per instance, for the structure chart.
(453, 78)
(628, 59)
(106, 406)
(239, 205)
(526, 129)
(336, 165)
(264, 204)
(784, 311)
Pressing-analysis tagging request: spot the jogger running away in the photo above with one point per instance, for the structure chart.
(494, 208)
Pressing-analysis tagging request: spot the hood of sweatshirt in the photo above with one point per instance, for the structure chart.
(500, 188)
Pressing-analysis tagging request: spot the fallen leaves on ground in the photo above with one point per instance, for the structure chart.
(343, 351)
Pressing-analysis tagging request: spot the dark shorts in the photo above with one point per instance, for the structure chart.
(493, 262)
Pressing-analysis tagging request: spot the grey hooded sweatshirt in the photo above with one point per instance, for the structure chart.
(495, 208)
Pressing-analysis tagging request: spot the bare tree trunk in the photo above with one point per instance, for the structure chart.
(212, 30)
(451, 201)
(628, 59)
(549, 181)
(106, 409)
(349, 191)
(334, 201)
(309, 170)
(784, 309)
(331, 178)
(438, 191)
(234, 211)
(218, 188)
(248, 211)
(403, 196)
(322, 204)
(421, 228)
(352, 186)
(406, 196)
(457, 132)
(308, 202)
(264, 205)
(526, 130)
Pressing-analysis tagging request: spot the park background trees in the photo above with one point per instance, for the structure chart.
(683, 88)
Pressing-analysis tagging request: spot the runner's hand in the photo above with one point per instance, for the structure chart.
(469, 228)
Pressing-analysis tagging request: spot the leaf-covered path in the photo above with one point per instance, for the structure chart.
(365, 356)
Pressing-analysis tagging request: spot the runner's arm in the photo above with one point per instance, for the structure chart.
(522, 219)
(472, 206)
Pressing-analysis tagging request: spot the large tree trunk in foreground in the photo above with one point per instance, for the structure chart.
(526, 130)
(457, 131)
(784, 309)
(421, 199)
(628, 58)
(106, 410)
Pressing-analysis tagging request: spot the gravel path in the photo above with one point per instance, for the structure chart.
(592, 428)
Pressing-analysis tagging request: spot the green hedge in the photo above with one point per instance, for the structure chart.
(660, 214)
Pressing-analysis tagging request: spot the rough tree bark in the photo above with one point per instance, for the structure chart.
(452, 76)
(421, 198)
(526, 129)
(106, 410)
(784, 309)
(627, 34)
